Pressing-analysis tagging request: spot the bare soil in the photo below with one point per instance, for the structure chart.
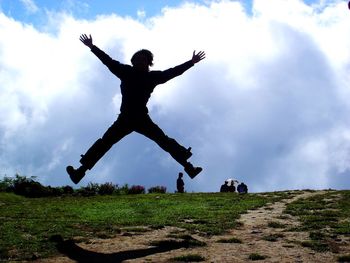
(264, 231)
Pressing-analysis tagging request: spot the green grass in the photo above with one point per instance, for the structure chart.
(274, 224)
(28, 223)
(324, 216)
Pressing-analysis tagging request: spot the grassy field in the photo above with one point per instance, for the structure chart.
(324, 217)
(27, 224)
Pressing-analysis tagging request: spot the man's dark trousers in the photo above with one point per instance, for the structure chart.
(124, 125)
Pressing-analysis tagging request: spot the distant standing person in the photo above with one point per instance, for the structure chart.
(137, 85)
(180, 185)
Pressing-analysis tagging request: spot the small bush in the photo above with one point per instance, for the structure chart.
(67, 190)
(107, 189)
(54, 191)
(157, 189)
(7, 184)
(230, 240)
(136, 189)
(256, 256)
(273, 237)
(29, 188)
(123, 190)
(189, 258)
(318, 246)
(273, 224)
(90, 190)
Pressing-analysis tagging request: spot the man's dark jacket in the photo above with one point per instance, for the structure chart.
(136, 86)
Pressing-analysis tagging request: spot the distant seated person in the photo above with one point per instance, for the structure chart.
(242, 188)
(224, 188)
(231, 187)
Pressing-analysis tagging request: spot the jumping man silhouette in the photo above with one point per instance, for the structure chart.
(137, 84)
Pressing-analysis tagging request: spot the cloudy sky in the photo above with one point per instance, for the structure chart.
(270, 104)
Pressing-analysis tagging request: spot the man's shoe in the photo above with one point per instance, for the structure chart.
(75, 174)
(192, 171)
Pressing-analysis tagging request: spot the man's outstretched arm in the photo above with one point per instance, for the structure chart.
(168, 74)
(113, 65)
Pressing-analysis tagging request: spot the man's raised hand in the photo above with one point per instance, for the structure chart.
(87, 40)
(198, 57)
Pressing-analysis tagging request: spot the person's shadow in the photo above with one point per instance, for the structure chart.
(79, 254)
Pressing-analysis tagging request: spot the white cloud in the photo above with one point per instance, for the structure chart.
(268, 106)
(141, 14)
(30, 6)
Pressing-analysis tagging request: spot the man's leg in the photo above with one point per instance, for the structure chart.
(116, 132)
(148, 128)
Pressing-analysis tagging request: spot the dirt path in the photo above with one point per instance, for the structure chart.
(263, 231)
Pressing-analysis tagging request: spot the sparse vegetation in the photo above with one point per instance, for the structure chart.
(29, 187)
(316, 245)
(274, 224)
(324, 216)
(186, 241)
(136, 189)
(189, 258)
(273, 237)
(230, 240)
(256, 256)
(157, 189)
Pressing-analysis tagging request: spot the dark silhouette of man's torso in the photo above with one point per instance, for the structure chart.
(136, 86)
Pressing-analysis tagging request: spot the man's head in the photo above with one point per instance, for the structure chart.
(142, 60)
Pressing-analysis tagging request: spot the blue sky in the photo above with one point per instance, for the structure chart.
(25, 10)
(32, 11)
(268, 106)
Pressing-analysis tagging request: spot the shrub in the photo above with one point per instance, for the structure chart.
(189, 258)
(6, 185)
(28, 187)
(107, 189)
(90, 190)
(123, 190)
(230, 240)
(273, 224)
(68, 190)
(136, 189)
(157, 189)
(256, 256)
(53, 191)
